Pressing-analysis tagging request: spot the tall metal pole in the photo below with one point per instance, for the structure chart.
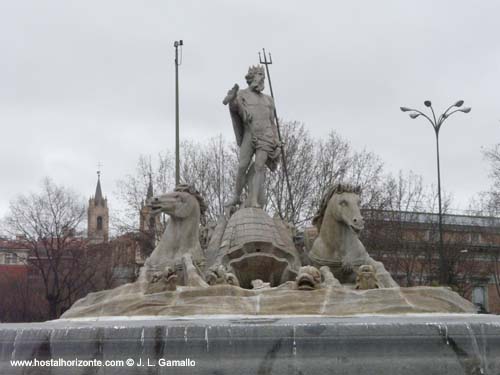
(177, 168)
(444, 274)
(266, 62)
(443, 262)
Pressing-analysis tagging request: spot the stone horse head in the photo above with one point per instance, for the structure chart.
(337, 246)
(185, 206)
(183, 203)
(341, 204)
(339, 223)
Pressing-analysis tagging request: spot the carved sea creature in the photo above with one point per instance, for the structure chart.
(309, 278)
(215, 275)
(231, 279)
(220, 275)
(339, 223)
(366, 278)
(162, 281)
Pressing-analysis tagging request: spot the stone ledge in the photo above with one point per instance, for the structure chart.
(378, 344)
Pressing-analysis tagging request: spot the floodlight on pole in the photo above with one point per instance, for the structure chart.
(436, 123)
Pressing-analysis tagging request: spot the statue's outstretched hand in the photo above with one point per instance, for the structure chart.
(231, 94)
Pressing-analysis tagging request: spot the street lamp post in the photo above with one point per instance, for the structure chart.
(436, 124)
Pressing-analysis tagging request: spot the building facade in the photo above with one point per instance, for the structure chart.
(408, 244)
(13, 254)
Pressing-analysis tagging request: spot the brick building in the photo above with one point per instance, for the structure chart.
(13, 256)
(408, 244)
(13, 280)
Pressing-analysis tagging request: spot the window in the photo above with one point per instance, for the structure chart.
(475, 237)
(479, 298)
(434, 235)
(11, 258)
(99, 222)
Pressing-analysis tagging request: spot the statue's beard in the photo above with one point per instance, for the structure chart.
(257, 86)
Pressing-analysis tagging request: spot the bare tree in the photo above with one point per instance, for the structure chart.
(132, 189)
(300, 154)
(389, 235)
(20, 303)
(493, 156)
(315, 165)
(402, 230)
(49, 221)
(487, 203)
(210, 167)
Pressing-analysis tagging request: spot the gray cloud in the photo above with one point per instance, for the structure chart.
(89, 81)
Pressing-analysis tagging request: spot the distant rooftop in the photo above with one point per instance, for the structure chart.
(11, 244)
(448, 219)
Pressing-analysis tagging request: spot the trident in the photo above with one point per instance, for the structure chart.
(285, 169)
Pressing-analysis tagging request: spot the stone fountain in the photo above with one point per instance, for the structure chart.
(249, 303)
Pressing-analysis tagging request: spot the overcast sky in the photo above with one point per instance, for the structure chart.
(88, 81)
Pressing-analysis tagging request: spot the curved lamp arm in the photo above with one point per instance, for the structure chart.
(420, 113)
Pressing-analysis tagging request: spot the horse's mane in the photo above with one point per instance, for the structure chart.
(335, 189)
(185, 188)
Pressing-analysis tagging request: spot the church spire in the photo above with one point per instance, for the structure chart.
(98, 198)
(150, 194)
(98, 215)
(149, 224)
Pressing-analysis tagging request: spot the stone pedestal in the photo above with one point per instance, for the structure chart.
(391, 344)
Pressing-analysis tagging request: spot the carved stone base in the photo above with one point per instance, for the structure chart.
(286, 299)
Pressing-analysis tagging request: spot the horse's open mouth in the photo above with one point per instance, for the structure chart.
(356, 229)
(155, 209)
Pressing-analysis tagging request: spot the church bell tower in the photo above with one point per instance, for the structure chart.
(98, 216)
(148, 222)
